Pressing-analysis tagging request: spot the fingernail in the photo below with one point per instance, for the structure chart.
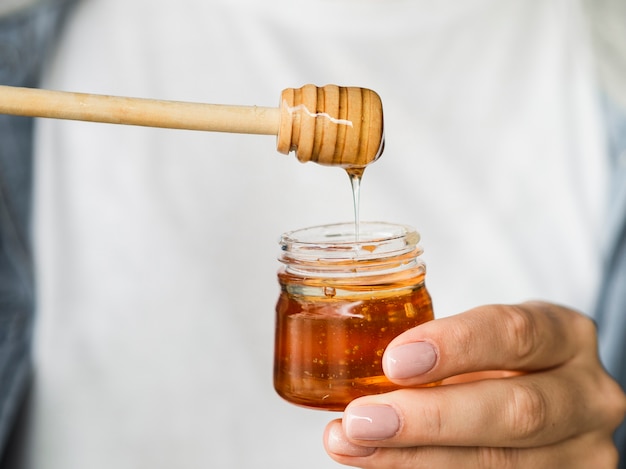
(376, 422)
(338, 444)
(409, 360)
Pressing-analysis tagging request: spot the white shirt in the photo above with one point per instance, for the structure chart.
(157, 248)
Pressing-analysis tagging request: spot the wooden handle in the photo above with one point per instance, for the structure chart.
(138, 111)
(330, 125)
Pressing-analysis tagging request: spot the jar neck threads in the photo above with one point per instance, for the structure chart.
(333, 251)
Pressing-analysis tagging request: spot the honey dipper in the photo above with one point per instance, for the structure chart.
(330, 125)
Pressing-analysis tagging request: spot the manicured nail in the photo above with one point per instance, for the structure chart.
(409, 360)
(338, 444)
(375, 422)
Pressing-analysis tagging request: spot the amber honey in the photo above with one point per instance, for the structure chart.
(342, 301)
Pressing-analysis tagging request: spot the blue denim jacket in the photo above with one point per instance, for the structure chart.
(25, 38)
(611, 310)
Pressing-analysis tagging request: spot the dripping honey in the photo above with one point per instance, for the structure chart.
(355, 173)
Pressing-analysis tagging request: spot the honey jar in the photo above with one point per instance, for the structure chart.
(344, 296)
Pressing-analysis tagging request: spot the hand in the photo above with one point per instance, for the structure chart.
(554, 406)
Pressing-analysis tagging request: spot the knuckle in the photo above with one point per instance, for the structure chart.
(431, 422)
(500, 458)
(586, 329)
(521, 332)
(527, 414)
(409, 458)
(605, 455)
(592, 450)
(620, 409)
(613, 402)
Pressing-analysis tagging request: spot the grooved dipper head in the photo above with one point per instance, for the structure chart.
(331, 125)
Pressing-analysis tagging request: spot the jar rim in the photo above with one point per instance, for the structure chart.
(376, 240)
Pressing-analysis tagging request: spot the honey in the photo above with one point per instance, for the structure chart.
(342, 301)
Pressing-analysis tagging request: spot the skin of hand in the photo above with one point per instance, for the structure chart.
(554, 407)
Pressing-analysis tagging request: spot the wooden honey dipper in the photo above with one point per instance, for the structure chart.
(330, 125)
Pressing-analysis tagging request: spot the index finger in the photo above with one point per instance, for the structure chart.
(526, 337)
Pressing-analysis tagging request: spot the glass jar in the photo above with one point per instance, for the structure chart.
(342, 300)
